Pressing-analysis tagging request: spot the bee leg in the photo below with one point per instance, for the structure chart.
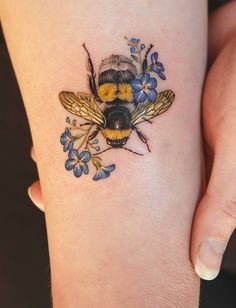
(93, 135)
(92, 76)
(86, 123)
(142, 137)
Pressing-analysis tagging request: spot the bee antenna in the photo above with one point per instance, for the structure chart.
(140, 154)
(86, 49)
(107, 149)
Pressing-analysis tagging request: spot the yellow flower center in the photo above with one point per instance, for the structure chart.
(145, 87)
(79, 162)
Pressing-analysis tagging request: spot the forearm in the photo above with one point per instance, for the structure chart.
(123, 241)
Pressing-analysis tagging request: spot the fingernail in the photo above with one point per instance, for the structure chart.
(209, 258)
(29, 192)
(34, 200)
(30, 195)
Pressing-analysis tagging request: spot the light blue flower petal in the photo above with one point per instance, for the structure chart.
(154, 57)
(73, 154)
(162, 75)
(95, 178)
(70, 146)
(152, 83)
(136, 85)
(66, 145)
(109, 168)
(77, 170)
(100, 174)
(63, 138)
(69, 164)
(85, 168)
(84, 156)
(139, 96)
(144, 79)
(154, 68)
(107, 173)
(133, 50)
(135, 40)
(151, 95)
(160, 66)
(67, 131)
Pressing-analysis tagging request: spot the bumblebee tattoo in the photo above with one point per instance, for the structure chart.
(123, 96)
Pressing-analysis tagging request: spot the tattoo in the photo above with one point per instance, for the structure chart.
(125, 96)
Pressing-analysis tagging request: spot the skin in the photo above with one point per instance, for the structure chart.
(216, 213)
(123, 242)
(222, 28)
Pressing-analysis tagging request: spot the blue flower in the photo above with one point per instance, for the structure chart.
(135, 40)
(78, 162)
(157, 67)
(103, 172)
(144, 88)
(67, 140)
(133, 50)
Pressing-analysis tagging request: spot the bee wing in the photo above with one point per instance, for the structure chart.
(82, 105)
(150, 110)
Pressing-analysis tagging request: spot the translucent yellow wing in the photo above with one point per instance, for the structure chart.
(82, 105)
(149, 110)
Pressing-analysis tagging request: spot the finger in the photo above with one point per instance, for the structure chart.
(222, 25)
(35, 195)
(32, 154)
(215, 218)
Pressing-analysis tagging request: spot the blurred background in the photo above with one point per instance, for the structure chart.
(24, 262)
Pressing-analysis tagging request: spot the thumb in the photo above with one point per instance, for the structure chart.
(215, 217)
(35, 195)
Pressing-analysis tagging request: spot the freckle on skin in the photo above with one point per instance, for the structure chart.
(229, 207)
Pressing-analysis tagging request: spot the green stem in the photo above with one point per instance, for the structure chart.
(140, 59)
(96, 163)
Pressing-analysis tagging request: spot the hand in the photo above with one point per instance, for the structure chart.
(215, 217)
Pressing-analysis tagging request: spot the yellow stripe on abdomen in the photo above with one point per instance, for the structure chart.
(115, 134)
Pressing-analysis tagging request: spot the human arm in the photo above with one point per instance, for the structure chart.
(122, 242)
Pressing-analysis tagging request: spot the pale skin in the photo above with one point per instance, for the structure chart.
(123, 242)
(216, 213)
(216, 203)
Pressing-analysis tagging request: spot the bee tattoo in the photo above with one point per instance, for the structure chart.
(123, 96)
